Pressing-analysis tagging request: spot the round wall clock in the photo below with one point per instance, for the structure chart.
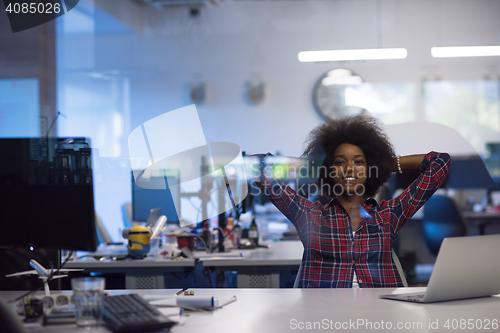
(329, 95)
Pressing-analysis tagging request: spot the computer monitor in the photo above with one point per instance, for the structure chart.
(145, 199)
(46, 194)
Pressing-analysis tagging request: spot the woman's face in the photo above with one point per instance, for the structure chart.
(349, 169)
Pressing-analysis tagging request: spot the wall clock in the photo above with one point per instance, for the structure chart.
(329, 95)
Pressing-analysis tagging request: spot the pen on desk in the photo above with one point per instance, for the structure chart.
(228, 301)
(180, 291)
(181, 317)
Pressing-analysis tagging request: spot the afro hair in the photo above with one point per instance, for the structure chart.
(362, 131)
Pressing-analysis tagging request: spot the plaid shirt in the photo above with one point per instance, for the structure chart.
(331, 253)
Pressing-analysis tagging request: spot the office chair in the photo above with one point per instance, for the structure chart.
(296, 282)
(441, 219)
(9, 320)
(394, 258)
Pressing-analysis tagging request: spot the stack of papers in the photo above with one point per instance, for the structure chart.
(193, 302)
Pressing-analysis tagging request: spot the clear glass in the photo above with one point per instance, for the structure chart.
(87, 295)
(19, 108)
(389, 102)
(473, 109)
(470, 107)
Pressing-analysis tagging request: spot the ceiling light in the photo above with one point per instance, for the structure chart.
(465, 51)
(359, 54)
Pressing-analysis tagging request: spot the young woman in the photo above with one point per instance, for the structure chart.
(348, 241)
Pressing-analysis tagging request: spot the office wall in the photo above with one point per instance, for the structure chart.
(29, 56)
(120, 65)
(236, 41)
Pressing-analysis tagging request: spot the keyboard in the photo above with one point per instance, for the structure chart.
(412, 297)
(415, 298)
(132, 313)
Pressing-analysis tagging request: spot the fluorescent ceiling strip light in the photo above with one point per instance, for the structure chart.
(345, 81)
(346, 55)
(465, 51)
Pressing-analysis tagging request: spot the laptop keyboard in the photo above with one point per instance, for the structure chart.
(413, 298)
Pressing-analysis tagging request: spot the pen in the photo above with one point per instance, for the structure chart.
(228, 301)
(181, 318)
(180, 291)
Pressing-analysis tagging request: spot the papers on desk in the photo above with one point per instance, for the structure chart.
(103, 251)
(220, 256)
(173, 313)
(226, 300)
(193, 302)
(60, 315)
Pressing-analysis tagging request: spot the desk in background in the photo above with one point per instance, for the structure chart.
(257, 268)
(356, 310)
(481, 220)
(260, 267)
(139, 274)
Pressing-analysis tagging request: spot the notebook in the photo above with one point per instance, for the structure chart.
(466, 267)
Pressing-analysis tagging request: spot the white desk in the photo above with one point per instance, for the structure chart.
(257, 268)
(139, 274)
(481, 220)
(282, 310)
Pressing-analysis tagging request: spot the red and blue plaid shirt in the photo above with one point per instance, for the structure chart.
(331, 253)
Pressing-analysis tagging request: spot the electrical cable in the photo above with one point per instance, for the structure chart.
(220, 278)
(224, 235)
(203, 241)
(206, 273)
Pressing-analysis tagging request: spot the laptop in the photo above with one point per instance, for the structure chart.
(466, 267)
(153, 217)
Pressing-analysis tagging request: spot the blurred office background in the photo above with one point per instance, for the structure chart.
(109, 66)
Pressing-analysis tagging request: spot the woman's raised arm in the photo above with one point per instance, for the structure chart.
(408, 163)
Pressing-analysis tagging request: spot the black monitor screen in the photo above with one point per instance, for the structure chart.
(145, 199)
(46, 194)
